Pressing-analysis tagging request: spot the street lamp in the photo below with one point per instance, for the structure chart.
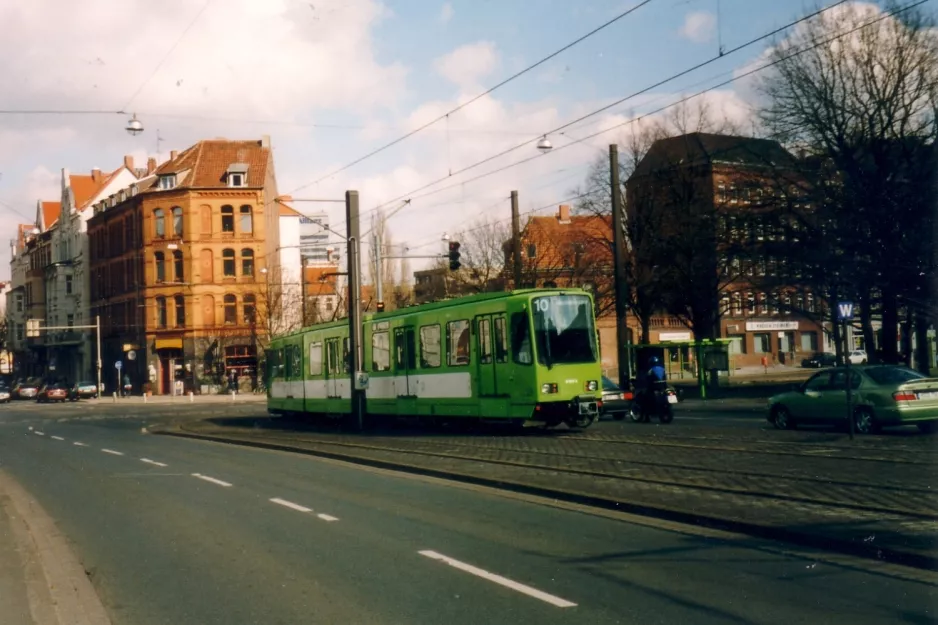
(134, 126)
(544, 145)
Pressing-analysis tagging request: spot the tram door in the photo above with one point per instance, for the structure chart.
(332, 368)
(405, 375)
(491, 342)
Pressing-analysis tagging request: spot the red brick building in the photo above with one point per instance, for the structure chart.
(177, 264)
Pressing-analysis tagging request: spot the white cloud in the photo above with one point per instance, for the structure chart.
(699, 26)
(446, 13)
(465, 65)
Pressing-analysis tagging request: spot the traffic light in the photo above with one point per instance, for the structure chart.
(454, 255)
(380, 306)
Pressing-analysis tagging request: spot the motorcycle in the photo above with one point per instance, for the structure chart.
(656, 401)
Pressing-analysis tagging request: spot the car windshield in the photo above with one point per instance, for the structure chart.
(564, 330)
(887, 375)
(86, 383)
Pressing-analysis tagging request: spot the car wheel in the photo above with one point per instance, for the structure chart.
(781, 418)
(864, 422)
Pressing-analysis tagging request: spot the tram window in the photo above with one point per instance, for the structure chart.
(485, 341)
(520, 339)
(346, 355)
(296, 361)
(315, 359)
(501, 340)
(430, 347)
(280, 362)
(457, 334)
(380, 352)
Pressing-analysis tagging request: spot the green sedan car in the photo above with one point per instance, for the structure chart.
(882, 395)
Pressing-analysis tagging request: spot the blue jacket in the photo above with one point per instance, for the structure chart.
(657, 374)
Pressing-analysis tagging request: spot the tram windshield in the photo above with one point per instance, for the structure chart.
(564, 330)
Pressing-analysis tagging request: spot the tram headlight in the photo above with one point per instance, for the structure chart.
(548, 388)
(592, 385)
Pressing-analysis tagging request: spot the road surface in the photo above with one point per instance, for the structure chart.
(178, 531)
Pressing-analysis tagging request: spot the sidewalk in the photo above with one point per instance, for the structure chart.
(258, 398)
(860, 500)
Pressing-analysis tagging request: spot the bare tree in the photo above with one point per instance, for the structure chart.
(865, 105)
(482, 256)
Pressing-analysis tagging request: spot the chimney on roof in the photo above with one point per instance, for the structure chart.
(129, 162)
(96, 175)
(563, 214)
(151, 165)
(172, 155)
(265, 141)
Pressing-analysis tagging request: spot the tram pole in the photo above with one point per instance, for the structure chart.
(515, 240)
(354, 308)
(621, 280)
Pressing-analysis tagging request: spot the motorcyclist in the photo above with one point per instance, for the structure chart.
(656, 382)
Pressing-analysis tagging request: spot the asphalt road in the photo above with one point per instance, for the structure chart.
(179, 531)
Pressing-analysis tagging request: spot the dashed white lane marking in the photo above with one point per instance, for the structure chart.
(153, 462)
(210, 479)
(79, 444)
(38, 433)
(327, 517)
(111, 451)
(291, 505)
(58, 438)
(498, 579)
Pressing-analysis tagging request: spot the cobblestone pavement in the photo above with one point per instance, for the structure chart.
(874, 491)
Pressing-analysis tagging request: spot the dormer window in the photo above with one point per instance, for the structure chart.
(167, 182)
(237, 175)
(133, 190)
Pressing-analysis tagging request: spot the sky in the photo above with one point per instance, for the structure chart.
(332, 80)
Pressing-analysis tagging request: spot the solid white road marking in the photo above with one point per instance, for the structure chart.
(498, 579)
(38, 433)
(79, 443)
(326, 517)
(291, 505)
(58, 438)
(111, 451)
(210, 479)
(153, 462)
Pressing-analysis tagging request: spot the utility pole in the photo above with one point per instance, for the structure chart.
(354, 308)
(376, 246)
(621, 286)
(303, 293)
(515, 239)
(97, 338)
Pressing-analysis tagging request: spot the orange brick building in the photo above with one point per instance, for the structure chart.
(177, 264)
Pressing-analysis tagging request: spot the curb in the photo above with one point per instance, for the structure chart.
(824, 543)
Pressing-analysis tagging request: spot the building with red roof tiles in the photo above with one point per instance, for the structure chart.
(180, 268)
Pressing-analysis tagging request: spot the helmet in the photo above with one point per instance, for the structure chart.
(654, 361)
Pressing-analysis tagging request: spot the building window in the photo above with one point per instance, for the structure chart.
(19, 302)
(68, 285)
(70, 320)
(159, 223)
(247, 262)
(177, 221)
(177, 266)
(160, 262)
(763, 304)
(737, 344)
(761, 342)
(750, 303)
(227, 218)
(809, 303)
(231, 310)
(167, 182)
(532, 250)
(228, 262)
(249, 304)
(430, 356)
(247, 220)
(736, 300)
(160, 312)
(180, 302)
(380, 352)
(809, 341)
(236, 180)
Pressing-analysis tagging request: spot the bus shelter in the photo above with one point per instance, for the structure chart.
(695, 360)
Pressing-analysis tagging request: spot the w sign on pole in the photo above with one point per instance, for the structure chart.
(845, 311)
(845, 315)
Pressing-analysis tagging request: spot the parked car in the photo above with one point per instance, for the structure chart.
(83, 390)
(4, 394)
(27, 389)
(858, 357)
(882, 395)
(617, 402)
(52, 392)
(818, 360)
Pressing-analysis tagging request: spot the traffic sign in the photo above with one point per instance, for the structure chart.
(844, 311)
(118, 365)
(131, 355)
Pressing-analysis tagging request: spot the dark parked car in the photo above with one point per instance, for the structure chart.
(617, 402)
(26, 390)
(52, 392)
(818, 360)
(83, 390)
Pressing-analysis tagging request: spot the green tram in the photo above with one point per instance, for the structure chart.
(527, 357)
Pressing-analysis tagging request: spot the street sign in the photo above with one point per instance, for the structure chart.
(131, 355)
(118, 365)
(844, 311)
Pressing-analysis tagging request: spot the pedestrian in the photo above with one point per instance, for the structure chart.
(765, 364)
